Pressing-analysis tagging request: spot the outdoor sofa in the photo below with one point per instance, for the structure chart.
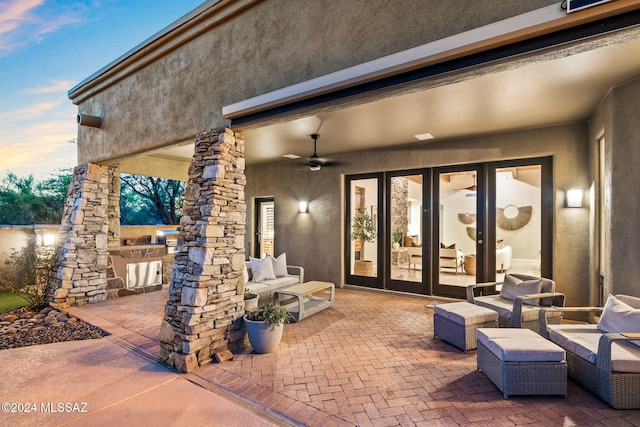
(519, 300)
(265, 276)
(603, 358)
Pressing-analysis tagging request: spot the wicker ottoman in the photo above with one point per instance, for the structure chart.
(456, 323)
(519, 362)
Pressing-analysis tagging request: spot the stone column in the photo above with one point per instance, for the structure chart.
(113, 209)
(82, 263)
(203, 314)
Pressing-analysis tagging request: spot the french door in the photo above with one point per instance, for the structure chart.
(438, 230)
(363, 232)
(459, 227)
(408, 233)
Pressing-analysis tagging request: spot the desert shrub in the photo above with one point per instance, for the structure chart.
(28, 273)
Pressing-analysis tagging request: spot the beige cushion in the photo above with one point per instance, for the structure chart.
(519, 345)
(504, 307)
(583, 340)
(463, 313)
(514, 287)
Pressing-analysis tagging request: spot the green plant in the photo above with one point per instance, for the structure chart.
(27, 273)
(362, 226)
(273, 315)
(249, 295)
(396, 236)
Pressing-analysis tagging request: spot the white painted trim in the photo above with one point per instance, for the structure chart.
(398, 62)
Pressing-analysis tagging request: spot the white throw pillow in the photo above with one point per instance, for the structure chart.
(514, 287)
(245, 273)
(279, 265)
(618, 316)
(634, 302)
(262, 269)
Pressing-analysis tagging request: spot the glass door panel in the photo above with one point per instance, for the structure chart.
(406, 234)
(459, 230)
(518, 220)
(265, 227)
(363, 225)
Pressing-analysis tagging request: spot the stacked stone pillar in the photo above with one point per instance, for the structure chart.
(203, 314)
(82, 262)
(113, 207)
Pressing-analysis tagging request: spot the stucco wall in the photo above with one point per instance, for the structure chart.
(623, 196)
(270, 45)
(314, 240)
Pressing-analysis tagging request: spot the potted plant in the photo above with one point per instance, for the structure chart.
(265, 326)
(397, 238)
(250, 301)
(363, 228)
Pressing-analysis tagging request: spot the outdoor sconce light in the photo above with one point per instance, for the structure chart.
(574, 198)
(89, 120)
(303, 207)
(48, 239)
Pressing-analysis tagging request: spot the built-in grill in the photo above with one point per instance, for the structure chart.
(169, 238)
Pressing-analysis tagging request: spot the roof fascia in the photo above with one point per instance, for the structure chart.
(512, 30)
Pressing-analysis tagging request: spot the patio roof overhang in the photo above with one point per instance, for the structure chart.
(535, 70)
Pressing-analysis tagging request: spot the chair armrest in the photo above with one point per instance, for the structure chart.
(603, 361)
(296, 271)
(471, 288)
(558, 301)
(542, 315)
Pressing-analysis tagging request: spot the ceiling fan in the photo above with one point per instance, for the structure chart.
(315, 162)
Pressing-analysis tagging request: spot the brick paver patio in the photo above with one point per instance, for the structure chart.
(370, 360)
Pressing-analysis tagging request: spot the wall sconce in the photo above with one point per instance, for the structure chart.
(574, 198)
(303, 207)
(49, 239)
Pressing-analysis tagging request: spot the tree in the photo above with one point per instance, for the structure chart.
(23, 201)
(143, 200)
(148, 200)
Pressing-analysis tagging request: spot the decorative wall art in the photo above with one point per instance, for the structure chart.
(471, 232)
(467, 218)
(512, 217)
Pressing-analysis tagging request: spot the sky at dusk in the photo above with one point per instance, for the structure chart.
(46, 48)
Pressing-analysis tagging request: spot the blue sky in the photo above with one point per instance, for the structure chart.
(46, 48)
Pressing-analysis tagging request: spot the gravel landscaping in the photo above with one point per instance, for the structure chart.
(24, 327)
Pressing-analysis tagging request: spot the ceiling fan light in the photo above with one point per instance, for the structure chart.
(314, 166)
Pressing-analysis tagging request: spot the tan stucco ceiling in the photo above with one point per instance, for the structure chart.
(545, 89)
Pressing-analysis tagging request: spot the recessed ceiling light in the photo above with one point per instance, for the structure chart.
(291, 156)
(424, 136)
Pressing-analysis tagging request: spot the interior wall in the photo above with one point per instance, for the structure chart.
(525, 242)
(314, 240)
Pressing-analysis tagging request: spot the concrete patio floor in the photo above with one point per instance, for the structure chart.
(370, 360)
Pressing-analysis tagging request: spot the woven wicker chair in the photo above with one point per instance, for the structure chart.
(621, 390)
(517, 314)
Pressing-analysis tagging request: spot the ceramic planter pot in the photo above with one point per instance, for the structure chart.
(262, 337)
(250, 304)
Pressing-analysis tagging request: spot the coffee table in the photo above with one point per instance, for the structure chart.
(306, 302)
